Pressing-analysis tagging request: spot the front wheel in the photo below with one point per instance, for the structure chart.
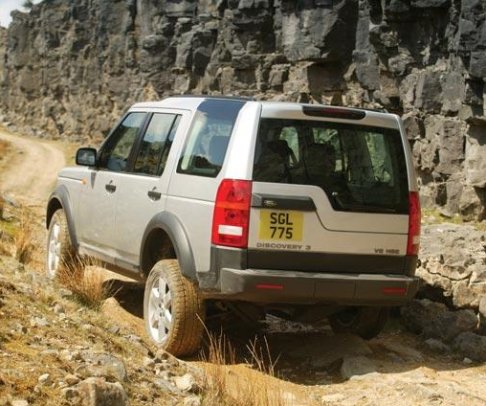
(366, 322)
(173, 311)
(60, 250)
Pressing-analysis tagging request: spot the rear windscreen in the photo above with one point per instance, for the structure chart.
(360, 168)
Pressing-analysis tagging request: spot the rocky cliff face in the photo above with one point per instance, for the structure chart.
(72, 67)
(3, 43)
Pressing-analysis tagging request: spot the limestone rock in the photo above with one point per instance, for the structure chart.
(19, 402)
(423, 57)
(344, 345)
(472, 346)
(437, 346)
(45, 379)
(98, 392)
(452, 258)
(353, 366)
(186, 383)
(71, 379)
(434, 320)
(102, 365)
(482, 306)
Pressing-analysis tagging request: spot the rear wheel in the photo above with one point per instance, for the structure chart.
(366, 322)
(173, 311)
(60, 250)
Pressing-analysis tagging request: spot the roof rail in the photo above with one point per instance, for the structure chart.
(205, 96)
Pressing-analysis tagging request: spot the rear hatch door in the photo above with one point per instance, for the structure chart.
(330, 192)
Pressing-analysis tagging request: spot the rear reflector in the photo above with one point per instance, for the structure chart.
(232, 213)
(414, 219)
(269, 286)
(230, 230)
(395, 291)
(334, 112)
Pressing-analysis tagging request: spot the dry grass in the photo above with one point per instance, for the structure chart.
(4, 154)
(3, 248)
(4, 146)
(23, 238)
(250, 383)
(86, 283)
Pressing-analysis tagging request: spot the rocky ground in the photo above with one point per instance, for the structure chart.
(56, 350)
(60, 345)
(70, 69)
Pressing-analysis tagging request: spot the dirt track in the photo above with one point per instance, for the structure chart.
(32, 169)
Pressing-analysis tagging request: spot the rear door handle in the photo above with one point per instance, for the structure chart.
(110, 187)
(154, 195)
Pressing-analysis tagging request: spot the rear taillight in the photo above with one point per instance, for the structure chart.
(232, 213)
(413, 224)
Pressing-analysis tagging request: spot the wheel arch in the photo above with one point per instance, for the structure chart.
(166, 234)
(60, 199)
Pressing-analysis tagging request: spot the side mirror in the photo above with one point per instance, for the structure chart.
(86, 157)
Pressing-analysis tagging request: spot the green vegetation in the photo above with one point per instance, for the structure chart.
(434, 216)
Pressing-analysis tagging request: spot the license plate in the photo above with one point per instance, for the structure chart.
(281, 225)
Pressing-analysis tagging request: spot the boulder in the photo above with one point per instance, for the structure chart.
(437, 346)
(355, 366)
(97, 392)
(186, 383)
(452, 260)
(482, 316)
(429, 92)
(338, 347)
(434, 320)
(472, 346)
(475, 164)
(102, 365)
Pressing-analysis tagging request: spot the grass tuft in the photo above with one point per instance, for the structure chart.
(24, 247)
(255, 382)
(86, 283)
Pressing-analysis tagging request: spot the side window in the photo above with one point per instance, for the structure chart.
(331, 139)
(156, 144)
(276, 153)
(208, 139)
(291, 137)
(380, 157)
(116, 151)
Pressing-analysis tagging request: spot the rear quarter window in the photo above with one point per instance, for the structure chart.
(208, 139)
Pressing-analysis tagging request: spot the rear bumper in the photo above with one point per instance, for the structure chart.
(271, 286)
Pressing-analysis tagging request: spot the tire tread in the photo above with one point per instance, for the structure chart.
(187, 310)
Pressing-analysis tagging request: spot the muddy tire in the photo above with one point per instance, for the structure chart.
(172, 309)
(366, 322)
(60, 250)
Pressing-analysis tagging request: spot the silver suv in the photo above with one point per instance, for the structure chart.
(310, 211)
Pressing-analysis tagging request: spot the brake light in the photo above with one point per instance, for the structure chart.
(413, 224)
(334, 112)
(232, 213)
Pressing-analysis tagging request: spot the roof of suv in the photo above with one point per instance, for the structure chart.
(189, 102)
(192, 103)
